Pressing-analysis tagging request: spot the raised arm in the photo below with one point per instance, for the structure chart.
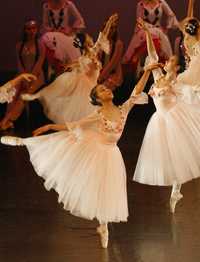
(150, 44)
(102, 42)
(152, 54)
(137, 97)
(143, 80)
(113, 63)
(190, 11)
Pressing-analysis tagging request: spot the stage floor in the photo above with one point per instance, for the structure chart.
(35, 228)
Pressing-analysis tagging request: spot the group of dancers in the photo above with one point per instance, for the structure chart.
(81, 160)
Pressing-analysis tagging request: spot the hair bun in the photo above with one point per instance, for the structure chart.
(192, 27)
(79, 40)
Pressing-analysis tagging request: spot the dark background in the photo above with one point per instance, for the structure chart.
(14, 12)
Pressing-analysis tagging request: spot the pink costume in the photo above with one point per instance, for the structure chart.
(59, 31)
(153, 16)
(54, 20)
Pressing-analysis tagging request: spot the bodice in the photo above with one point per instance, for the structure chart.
(102, 131)
(151, 15)
(99, 129)
(28, 57)
(164, 99)
(194, 50)
(57, 18)
(65, 17)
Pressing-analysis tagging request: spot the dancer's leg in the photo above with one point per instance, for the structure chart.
(12, 140)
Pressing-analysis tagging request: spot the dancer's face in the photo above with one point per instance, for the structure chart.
(31, 30)
(104, 94)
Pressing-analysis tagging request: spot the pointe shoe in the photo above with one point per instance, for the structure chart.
(12, 140)
(28, 97)
(103, 232)
(175, 198)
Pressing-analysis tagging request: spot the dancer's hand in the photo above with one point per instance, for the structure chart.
(153, 66)
(142, 25)
(41, 130)
(28, 77)
(111, 21)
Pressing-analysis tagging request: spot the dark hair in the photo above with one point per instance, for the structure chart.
(94, 97)
(192, 27)
(79, 41)
(23, 42)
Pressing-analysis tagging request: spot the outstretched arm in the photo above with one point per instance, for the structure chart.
(85, 122)
(152, 54)
(24, 76)
(8, 90)
(136, 96)
(102, 42)
(49, 127)
(113, 63)
(150, 44)
(143, 80)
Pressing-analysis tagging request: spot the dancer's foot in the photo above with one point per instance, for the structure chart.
(175, 198)
(102, 230)
(12, 140)
(29, 97)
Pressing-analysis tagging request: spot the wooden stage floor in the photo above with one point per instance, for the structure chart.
(35, 228)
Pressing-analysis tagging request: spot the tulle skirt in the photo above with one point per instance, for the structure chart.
(68, 98)
(89, 176)
(171, 148)
(190, 94)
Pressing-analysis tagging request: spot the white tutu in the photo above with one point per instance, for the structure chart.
(171, 147)
(189, 94)
(89, 177)
(67, 98)
(63, 46)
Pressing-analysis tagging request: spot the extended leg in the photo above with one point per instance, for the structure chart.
(12, 140)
